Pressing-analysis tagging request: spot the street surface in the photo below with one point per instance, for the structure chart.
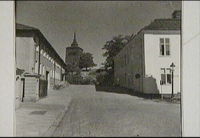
(94, 113)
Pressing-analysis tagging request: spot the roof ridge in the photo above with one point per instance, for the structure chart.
(23, 26)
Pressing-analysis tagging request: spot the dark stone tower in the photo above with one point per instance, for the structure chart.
(73, 54)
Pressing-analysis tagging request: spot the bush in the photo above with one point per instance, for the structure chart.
(56, 87)
(78, 79)
(60, 85)
(104, 78)
(88, 80)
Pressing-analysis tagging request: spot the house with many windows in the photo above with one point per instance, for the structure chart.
(144, 63)
(38, 65)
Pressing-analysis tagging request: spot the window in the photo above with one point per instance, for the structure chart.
(124, 59)
(41, 68)
(169, 76)
(163, 76)
(164, 46)
(36, 66)
(166, 77)
(125, 77)
(167, 46)
(41, 51)
(37, 48)
(44, 70)
(44, 54)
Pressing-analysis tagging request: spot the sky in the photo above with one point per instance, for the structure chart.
(94, 22)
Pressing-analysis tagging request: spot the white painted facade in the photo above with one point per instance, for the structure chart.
(142, 56)
(154, 61)
(25, 53)
(27, 56)
(41, 65)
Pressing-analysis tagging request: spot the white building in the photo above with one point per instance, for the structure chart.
(38, 65)
(145, 61)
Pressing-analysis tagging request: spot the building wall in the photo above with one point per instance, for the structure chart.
(48, 64)
(128, 63)
(24, 53)
(27, 58)
(142, 56)
(154, 62)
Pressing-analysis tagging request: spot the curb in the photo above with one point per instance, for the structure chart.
(52, 128)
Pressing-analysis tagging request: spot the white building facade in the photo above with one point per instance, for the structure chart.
(38, 65)
(160, 51)
(144, 63)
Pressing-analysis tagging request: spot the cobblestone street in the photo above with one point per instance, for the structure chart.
(94, 113)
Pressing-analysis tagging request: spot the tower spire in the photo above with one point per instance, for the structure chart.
(74, 43)
(74, 36)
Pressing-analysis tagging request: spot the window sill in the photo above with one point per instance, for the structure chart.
(164, 56)
(166, 84)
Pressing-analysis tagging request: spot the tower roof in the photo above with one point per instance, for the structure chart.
(74, 43)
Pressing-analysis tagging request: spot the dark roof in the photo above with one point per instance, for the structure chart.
(25, 30)
(74, 47)
(24, 27)
(164, 24)
(176, 14)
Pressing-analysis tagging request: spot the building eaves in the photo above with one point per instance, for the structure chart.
(25, 30)
(164, 24)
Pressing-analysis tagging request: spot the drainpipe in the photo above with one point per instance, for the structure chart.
(54, 65)
(39, 58)
(61, 74)
(39, 66)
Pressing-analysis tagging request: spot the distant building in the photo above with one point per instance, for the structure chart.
(38, 66)
(145, 60)
(73, 54)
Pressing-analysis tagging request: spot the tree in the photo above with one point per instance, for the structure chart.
(86, 61)
(112, 48)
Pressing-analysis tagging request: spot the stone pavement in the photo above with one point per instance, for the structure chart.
(42, 118)
(103, 114)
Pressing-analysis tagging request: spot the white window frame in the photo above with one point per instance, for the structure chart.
(165, 72)
(37, 48)
(41, 51)
(43, 70)
(165, 44)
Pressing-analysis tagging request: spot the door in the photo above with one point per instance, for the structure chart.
(48, 79)
(23, 88)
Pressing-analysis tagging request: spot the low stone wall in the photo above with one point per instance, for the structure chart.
(31, 89)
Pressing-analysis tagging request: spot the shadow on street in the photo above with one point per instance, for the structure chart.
(122, 90)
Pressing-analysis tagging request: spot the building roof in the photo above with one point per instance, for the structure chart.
(28, 31)
(24, 27)
(164, 24)
(172, 24)
(176, 14)
(74, 47)
(74, 44)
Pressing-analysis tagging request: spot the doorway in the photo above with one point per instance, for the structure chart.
(23, 88)
(48, 79)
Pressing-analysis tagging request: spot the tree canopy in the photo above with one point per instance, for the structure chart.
(112, 48)
(86, 61)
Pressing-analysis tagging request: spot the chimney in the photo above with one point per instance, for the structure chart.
(176, 14)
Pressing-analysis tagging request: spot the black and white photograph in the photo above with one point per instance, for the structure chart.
(103, 69)
(98, 68)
